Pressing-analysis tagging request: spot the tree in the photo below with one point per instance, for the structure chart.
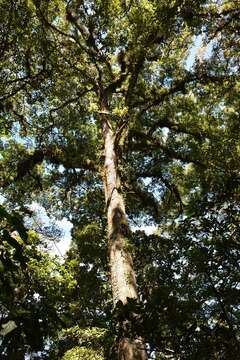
(94, 86)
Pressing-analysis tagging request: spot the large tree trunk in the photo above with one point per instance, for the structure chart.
(121, 266)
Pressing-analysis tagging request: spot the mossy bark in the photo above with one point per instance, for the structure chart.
(123, 279)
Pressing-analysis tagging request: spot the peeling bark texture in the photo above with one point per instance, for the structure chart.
(123, 279)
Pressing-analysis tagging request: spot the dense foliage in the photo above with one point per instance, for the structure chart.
(169, 71)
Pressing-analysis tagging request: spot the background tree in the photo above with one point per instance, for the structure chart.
(104, 104)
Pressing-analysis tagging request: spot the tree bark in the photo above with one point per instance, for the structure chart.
(123, 279)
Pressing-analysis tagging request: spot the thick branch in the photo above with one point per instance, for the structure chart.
(178, 86)
(70, 101)
(53, 27)
(27, 165)
(150, 142)
(156, 173)
(179, 128)
(70, 162)
(26, 80)
(157, 99)
(134, 77)
(146, 198)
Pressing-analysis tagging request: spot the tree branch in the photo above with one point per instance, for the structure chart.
(70, 101)
(150, 142)
(27, 165)
(156, 173)
(179, 128)
(157, 99)
(146, 198)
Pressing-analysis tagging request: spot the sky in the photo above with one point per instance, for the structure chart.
(58, 246)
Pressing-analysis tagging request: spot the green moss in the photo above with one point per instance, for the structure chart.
(81, 352)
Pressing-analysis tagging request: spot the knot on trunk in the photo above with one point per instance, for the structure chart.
(120, 226)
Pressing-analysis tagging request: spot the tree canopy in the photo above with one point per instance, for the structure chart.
(117, 115)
